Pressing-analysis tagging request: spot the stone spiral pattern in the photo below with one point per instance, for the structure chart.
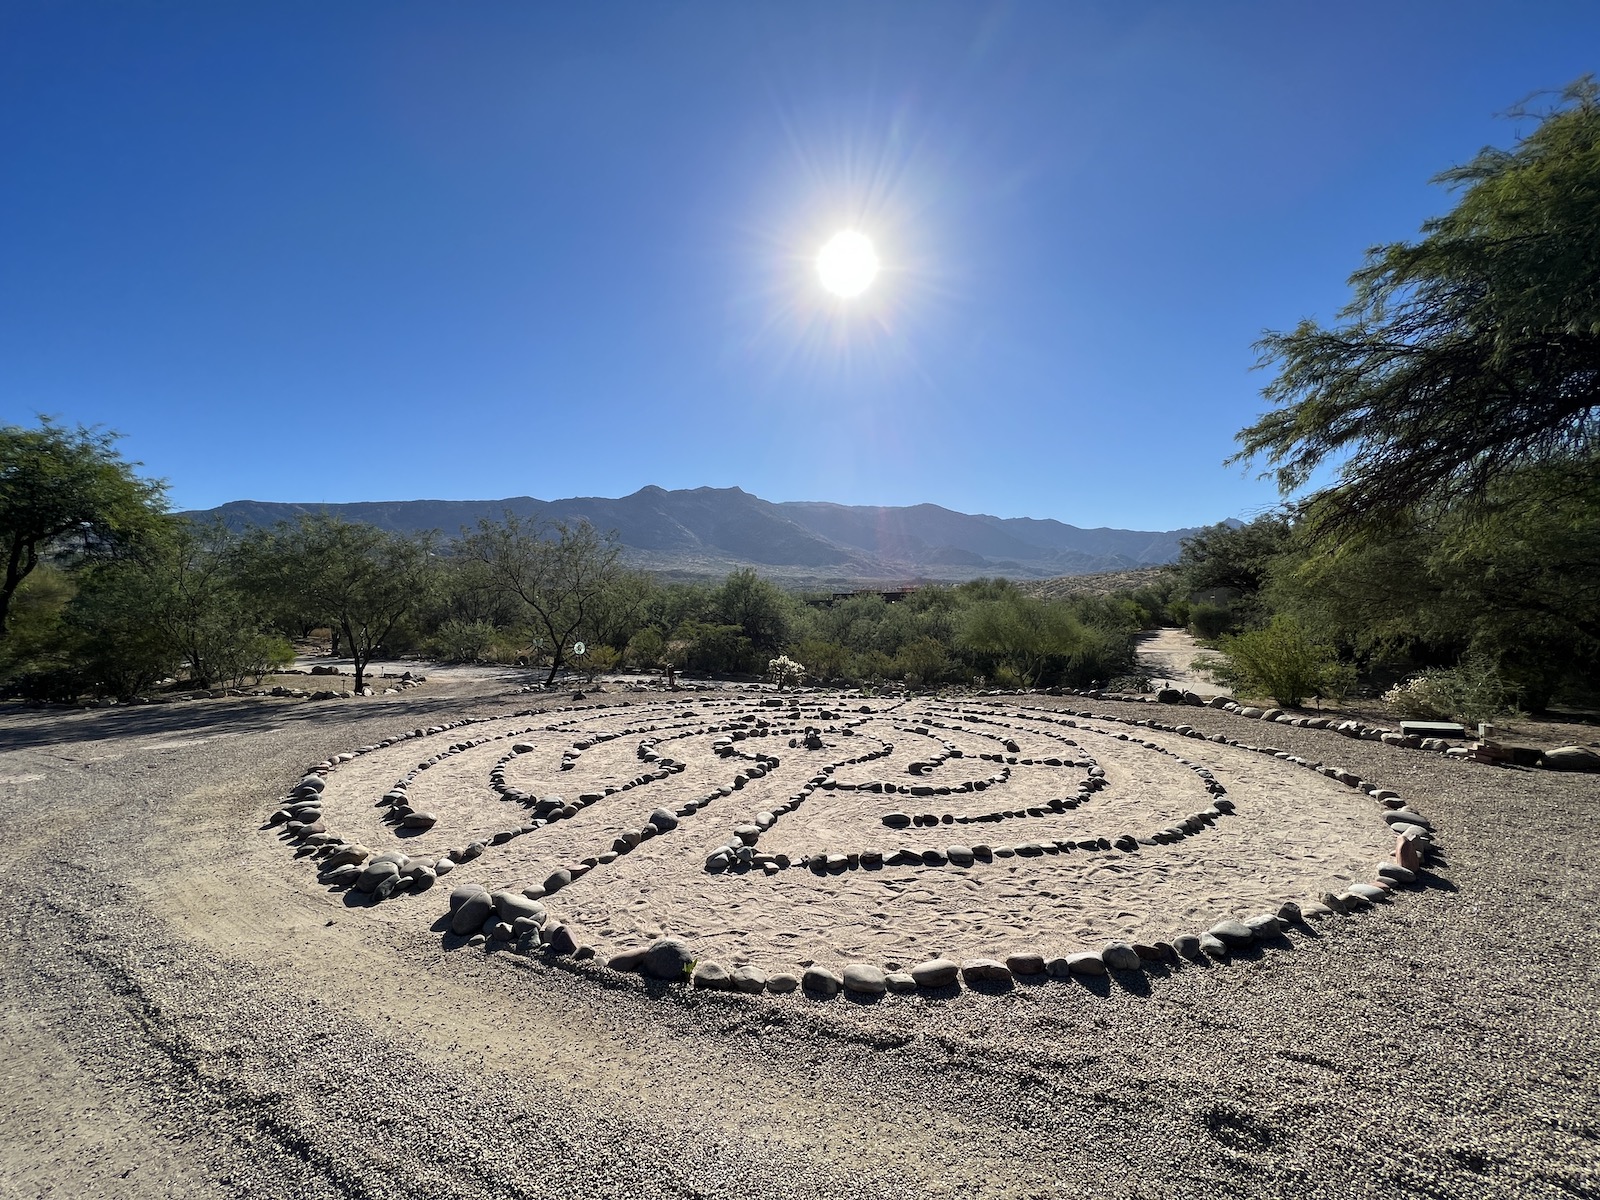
(903, 787)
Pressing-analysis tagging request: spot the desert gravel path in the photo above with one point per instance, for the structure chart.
(182, 1014)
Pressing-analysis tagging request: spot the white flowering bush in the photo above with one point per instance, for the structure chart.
(785, 672)
(1420, 696)
(1472, 691)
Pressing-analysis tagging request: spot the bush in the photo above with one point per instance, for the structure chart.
(464, 641)
(646, 650)
(1281, 661)
(594, 660)
(1210, 621)
(785, 672)
(1469, 692)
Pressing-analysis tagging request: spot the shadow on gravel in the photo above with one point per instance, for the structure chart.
(1135, 983)
(26, 728)
(1095, 985)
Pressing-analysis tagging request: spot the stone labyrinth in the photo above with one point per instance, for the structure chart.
(765, 843)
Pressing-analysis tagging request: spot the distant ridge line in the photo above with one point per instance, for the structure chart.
(706, 532)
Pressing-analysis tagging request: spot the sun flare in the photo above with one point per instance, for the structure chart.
(848, 264)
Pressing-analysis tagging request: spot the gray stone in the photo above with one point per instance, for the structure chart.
(712, 976)
(473, 911)
(1289, 912)
(1263, 926)
(627, 960)
(508, 906)
(1026, 964)
(748, 980)
(1186, 944)
(557, 880)
(1119, 956)
(1213, 945)
(667, 958)
(1572, 758)
(663, 820)
(1086, 962)
(985, 970)
(935, 973)
(900, 981)
(376, 873)
(1370, 892)
(1396, 873)
(1232, 933)
(782, 983)
(558, 939)
(820, 981)
(863, 979)
(960, 855)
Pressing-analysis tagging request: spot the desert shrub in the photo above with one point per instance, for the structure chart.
(1469, 692)
(872, 667)
(596, 659)
(922, 663)
(1282, 661)
(785, 672)
(1209, 621)
(823, 661)
(1008, 679)
(646, 649)
(715, 649)
(260, 656)
(464, 641)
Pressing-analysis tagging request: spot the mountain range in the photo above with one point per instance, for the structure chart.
(700, 532)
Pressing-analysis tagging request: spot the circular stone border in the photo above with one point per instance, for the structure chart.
(523, 922)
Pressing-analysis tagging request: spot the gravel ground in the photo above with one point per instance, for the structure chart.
(182, 1016)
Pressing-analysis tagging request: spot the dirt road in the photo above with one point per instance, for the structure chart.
(1165, 655)
(183, 1013)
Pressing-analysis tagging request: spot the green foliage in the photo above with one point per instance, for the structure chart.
(66, 492)
(458, 640)
(1210, 621)
(119, 651)
(1471, 692)
(714, 649)
(646, 649)
(559, 576)
(824, 661)
(922, 663)
(362, 580)
(762, 610)
(1282, 661)
(596, 660)
(1463, 356)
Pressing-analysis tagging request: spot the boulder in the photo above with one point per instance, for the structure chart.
(985, 970)
(749, 980)
(667, 958)
(820, 981)
(1232, 933)
(469, 916)
(712, 976)
(863, 979)
(375, 873)
(1120, 956)
(935, 973)
(1572, 758)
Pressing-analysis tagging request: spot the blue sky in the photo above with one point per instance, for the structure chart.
(359, 251)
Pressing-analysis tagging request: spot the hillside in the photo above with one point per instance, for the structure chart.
(703, 532)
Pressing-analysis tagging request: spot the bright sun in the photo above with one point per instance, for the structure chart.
(847, 264)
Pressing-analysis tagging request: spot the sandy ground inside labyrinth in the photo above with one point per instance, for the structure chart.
(1293, 834)
(184, 1011)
